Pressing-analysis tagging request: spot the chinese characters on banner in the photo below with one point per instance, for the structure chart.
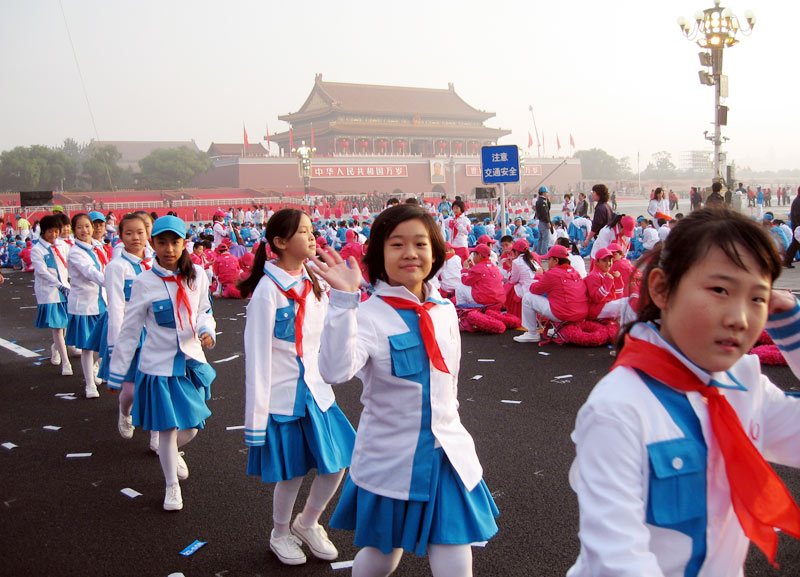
(475, 170)
(361, 170)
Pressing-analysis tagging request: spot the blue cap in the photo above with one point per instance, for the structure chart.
(640, 219)
(486, 220)
(169, 223)
(544, 189)
(95, 215)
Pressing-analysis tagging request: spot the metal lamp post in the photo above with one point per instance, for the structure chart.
(304, 165)
(714, 29)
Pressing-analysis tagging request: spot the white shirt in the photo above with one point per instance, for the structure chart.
(86, 274)
(521, 276)
(450, 274)
(649, 238)
(356, 342)
(119, 276)
(616, 434)
(460, 232)
(576, 261)
(151, 295)
(49, 272)
(271, 366)
(221, 232)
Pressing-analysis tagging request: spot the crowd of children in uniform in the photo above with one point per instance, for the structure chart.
(656, 488)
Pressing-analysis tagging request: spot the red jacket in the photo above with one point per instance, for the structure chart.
(625, 268)
(486, 282)
(226, 267)
(600, 288)
(565, 291)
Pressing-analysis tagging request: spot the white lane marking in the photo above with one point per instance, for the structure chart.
(15, 348)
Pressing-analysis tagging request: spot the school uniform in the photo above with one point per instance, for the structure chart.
(609, 234)
(460, 238)
(87, 297)
(173, 381)
(621, 286)
(415, 477)
(449, 275)
(649, 474)
(292, 422)
(221, 232)
(119, 276)
(50, 285)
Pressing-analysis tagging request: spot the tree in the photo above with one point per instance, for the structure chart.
(36, 167)
(598, 164)
(101, 167)
(660, 166)
(172, 167)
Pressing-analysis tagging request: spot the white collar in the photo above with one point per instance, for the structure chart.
(282, 278)
(384, 289)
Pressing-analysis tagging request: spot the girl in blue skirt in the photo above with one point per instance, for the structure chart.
(173, 381)
(87, 297)
(292, 422)
(415, 481)
(51, 287)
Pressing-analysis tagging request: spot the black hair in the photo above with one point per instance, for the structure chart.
(283, 225)
(460, 204)
(689, 241)
(384, 225)
(62, 218)
(185, 264)
(77, 216)
(129, 217)
(602, 192)
(507, 238)
(50, 221)
(412, 200)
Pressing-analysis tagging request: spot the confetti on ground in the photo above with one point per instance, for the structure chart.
(485, 360)
(128, 492)
(479, 544)
(561, 377)
(225, 360)
(16, 298)
(51, 428)
(544, 354)
(341, 565)
(38, 351)
(234, 428)
(477, 377)
(191, 549)
(9, 446)
(511, 402)
(35, 307)
(219, 333)
(240, 314)
(65, 394)
(78, 455)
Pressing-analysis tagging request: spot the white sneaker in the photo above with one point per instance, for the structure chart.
(173, 501)
(66, 369)
(183, 469)
(125, 426)
(97, 381)
(317, 540)
(528, 337)
(551, 331)
(92, 392)
(73, 351)
(287, 549)
(55, 356)
(154, 441)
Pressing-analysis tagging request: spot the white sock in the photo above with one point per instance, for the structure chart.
(186, 435)
(450, 560)
(168, 455)
(87, 364)
(282, 504)
(61, 346)
(322, 490)
(370, 562)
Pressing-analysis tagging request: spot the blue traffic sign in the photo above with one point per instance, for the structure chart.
(500, 163)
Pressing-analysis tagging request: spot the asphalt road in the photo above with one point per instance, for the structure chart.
(61, 516)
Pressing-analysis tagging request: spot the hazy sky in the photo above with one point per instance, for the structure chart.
(617, 75)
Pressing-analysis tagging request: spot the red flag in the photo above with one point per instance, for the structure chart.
(558, 142)
(267, 138)
(291, 140)
(571, 141)
(246, 142)
(530, 139)
(312, 135)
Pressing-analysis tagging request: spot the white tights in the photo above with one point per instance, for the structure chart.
(126, 398)
(168, 443)
(445, 561)
(322, 489)
(61, 346)
(88, 359)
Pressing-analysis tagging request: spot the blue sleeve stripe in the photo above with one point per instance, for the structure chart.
(788, 347)
(115, 380)
(785, 315)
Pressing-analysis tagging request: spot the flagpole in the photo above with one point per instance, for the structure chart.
(536, 130)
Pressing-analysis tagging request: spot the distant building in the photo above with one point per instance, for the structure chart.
(133, 151)
(219, 150)
(371, 120)
(697, 161)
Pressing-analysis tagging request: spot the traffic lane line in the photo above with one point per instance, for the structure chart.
(15, 348)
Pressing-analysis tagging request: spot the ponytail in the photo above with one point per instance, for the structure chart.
(248, 285)
(529, 260)
(315, 286)
(186, 268)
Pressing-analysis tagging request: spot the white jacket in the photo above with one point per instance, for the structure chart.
(49, 272)
(86, 276)
(221, 232)
(624, 432)
(272, 368)
(119, 277)
(450, 274)
(372, 341)
(521, 276)
(154, 306)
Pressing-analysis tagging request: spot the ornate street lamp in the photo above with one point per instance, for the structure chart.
(714, 29)
(304, 165)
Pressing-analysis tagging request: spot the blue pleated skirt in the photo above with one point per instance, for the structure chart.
(295, 445)
(163, 403)
(98, 338)
(452, 516)
(79, 330)
(52, 316)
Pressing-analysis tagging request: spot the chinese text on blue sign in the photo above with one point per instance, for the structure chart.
(500, 164)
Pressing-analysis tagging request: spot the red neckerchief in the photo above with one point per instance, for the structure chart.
(300, 315)
(426, 328)
(58, 254)
(760, 499)
(146, 262)
(182, 296)
(101, 255)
